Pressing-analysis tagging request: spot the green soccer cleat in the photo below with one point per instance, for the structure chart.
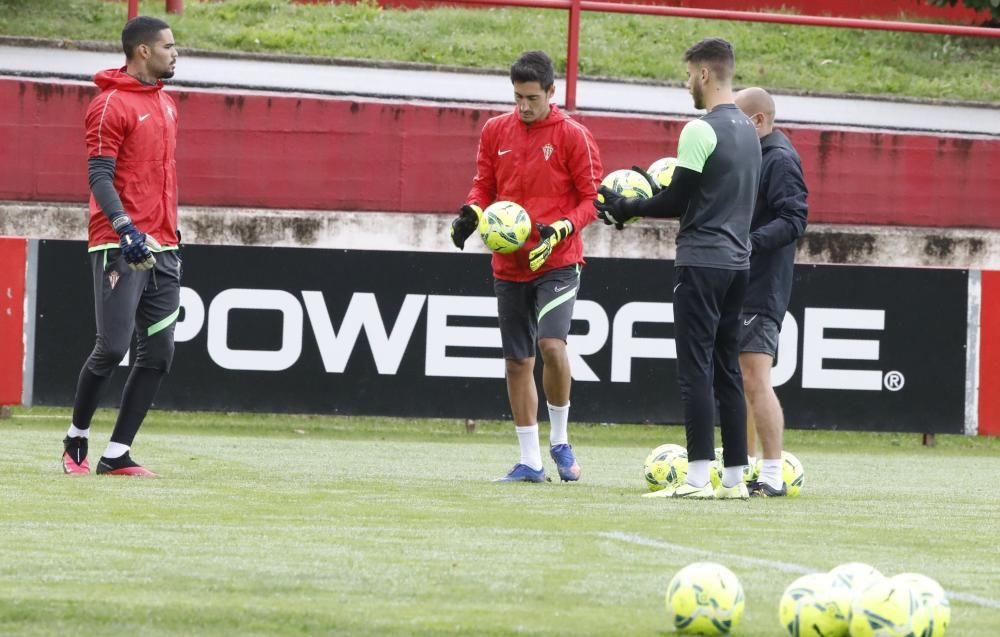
(738, 492)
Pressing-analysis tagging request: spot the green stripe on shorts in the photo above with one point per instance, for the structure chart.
(556, 302)
(165, 323)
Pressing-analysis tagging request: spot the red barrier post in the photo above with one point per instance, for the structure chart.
(13, 259)
(989, 355)
(133, 8)
(572, 54)
(175, 6)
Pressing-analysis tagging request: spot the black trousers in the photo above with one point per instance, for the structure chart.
(707, 304)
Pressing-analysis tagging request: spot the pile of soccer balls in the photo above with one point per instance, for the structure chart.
(853, 599)
(666, 467)
(857, 600)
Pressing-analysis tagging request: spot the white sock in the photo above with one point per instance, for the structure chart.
(115, 450)
(531, 455)
(770, 472)
(698, 473)
(558, 419)
(732, 476)
(78, 433)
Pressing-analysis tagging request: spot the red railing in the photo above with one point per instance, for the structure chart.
(575, 7)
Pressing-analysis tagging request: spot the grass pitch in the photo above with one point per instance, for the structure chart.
(294, 525)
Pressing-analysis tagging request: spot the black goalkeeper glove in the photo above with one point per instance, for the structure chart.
(133, 244)
(614, 209)
(465, 224)
(550, 237)
(656, 187)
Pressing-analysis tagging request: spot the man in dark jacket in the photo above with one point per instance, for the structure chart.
(779, 219)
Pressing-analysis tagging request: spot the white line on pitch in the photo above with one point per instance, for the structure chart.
(784, 567)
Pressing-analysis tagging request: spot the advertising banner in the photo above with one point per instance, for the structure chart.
(415, 335)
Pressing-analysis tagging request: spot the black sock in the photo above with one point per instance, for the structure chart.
(140, 390)
(88, 394)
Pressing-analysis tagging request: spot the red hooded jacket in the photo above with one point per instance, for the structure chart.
(136, 124)
(552, 169)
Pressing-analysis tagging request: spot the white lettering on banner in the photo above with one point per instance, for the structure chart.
(262, 360)
(441, 336)
(816, 348)
(580, 345)
(788, 351)
(625, 346)
(389, 346)
(362, 312)
(193, 316)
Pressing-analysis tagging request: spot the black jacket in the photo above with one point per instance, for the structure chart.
(779, 219)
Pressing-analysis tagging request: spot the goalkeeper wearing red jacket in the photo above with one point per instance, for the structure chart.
(548, 163)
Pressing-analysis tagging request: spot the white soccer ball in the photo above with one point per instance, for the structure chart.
(705, 598)
(857, 576)
(504, 227)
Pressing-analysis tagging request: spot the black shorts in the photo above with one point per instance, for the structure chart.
(759, 334)
(531, 310)
(145, 303)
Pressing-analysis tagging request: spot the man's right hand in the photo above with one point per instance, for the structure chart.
(465, 224)
(133, 244)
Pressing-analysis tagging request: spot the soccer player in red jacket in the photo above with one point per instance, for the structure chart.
(133, 240)
(541, 159)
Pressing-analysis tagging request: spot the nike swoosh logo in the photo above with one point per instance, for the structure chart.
(677, 286)
(560, 289)
(750, 320)
(143, 117)
(504, 152)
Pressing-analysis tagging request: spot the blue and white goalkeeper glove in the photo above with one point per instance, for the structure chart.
(133, 244)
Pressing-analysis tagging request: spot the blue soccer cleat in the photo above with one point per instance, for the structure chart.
(523, 473)
(569, 470)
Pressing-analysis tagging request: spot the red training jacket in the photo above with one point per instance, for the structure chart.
(137, 125)
(552, 169)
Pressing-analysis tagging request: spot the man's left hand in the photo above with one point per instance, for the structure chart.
(550, 237)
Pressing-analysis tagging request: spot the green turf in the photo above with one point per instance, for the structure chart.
(770, 55)
(294, 525)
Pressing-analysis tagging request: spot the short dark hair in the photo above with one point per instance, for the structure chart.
(717, 53)
(533, 66)
(141, 30)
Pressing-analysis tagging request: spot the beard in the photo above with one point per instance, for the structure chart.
(166, 75)
(698, 96)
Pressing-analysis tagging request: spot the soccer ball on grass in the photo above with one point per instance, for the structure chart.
(889, 608)
(816, 605)
(705, 598)
(666, 466)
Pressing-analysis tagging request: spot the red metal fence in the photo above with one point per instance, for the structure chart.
(575, 7)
